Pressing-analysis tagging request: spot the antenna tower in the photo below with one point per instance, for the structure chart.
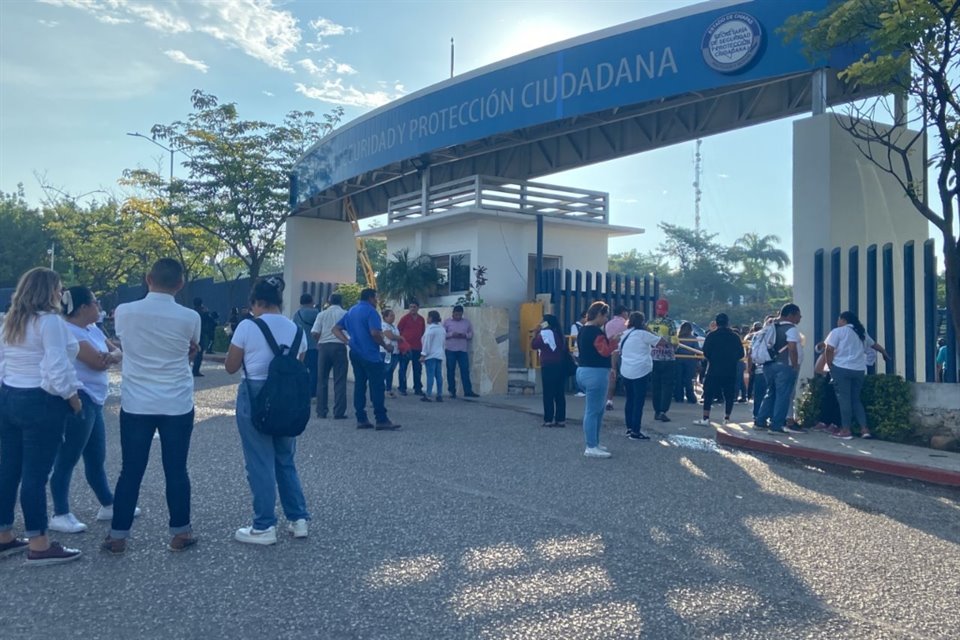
(697, 193)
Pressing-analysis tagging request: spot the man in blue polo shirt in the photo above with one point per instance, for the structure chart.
(362, 324)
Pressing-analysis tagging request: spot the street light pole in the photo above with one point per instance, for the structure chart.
(168, 150)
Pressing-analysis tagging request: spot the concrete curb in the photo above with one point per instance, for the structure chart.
(903, 470)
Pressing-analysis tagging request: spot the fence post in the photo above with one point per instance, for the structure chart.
(637, 302)
(588, 290)
(646, 297)
(950, 366)
(578, 304)
(872, 295)
(618, 288)
(910, 313)
(818, 333)
(889, 320)
(853, 280)
(929, 313)
(834, 286)
(656, 287)
(567, 286)
(607, 288)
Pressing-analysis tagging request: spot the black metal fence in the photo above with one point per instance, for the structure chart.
(912, 310)
(574, 291)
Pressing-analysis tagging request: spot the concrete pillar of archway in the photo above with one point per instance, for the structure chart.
(842, 199)
(316, 250)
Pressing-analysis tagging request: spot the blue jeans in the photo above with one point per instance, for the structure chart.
(741, 389)
(412, 358)
(848, 384)
(636, 399)
(367, 373)
(686, 372)
(31, 428)
(759, 390)
(462, 360)
(388, 369)
(84, 435)
(594, 382)
(781, 379)
(270, 466)
(434, 367)
(136, 437)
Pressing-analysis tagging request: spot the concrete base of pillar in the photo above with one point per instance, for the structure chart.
(316, 250)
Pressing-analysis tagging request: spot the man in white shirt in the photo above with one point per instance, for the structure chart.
(781, 372)
(159, 337)
(333, 357)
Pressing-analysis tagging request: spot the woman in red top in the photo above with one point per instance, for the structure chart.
(593, 375)
(551, 344)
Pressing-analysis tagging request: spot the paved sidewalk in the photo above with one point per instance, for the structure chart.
(918, 463)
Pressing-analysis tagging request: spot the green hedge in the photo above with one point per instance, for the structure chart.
(887, 399)
(221, 341)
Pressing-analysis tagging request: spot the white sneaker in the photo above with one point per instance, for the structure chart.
(596, 452)
(106, 513)
(602, 448)
(67, 523)
(255, 536)
(702, 422)
(581, 394)
(298, 528)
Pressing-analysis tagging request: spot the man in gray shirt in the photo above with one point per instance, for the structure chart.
(332, 357)
(304, 318)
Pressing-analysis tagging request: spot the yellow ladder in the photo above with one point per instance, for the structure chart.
(362, 256)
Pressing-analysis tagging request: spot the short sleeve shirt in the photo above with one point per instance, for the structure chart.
(635, 358)
(358, 323)
(847, 349)
(257, 354)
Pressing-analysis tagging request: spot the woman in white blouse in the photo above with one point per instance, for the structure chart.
(84, 434)
(848, 367)
(39, 389)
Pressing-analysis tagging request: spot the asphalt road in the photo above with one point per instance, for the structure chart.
(474, 522)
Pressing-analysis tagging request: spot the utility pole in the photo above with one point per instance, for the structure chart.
(697, 193)
(52, 252)
(451, 57)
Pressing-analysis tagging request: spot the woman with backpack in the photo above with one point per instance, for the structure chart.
(552, 347)
(269, 459)
(846, 359)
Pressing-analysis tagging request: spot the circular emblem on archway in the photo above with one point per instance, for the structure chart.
(732, 42)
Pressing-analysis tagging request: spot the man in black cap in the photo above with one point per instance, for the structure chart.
(722, 350)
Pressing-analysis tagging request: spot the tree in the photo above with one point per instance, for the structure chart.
(633, 263)
(404, 278)
(913, 52)
(756, 255)
(376, 251)
(703, 275)
(23, 240)
(238, 185)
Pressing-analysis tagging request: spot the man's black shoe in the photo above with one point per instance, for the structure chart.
(386, 426)
(453, 396)
(339, 417)
(198, 375)
(364, 425)
(322, 416)
(471, 395)
(664, 417)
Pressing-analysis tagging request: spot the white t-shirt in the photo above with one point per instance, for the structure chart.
(386, 326)
(869, 353)
(635, 358)
(95, 383)
(43, 359)
(848, 348)
(257, 354)
(155, 334)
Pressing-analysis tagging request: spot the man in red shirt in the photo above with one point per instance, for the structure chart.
(411, 328)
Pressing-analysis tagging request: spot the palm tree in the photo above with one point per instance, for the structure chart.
(757, 254)
(404, 278)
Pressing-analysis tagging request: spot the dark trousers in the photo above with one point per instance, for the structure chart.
(716, 386)
(198, 359)
(663, 380)
(636, 398)
(31, 428)
(411, 357)
(367, 374)
(332, 357)
(553, 379)
(459, 359)
(136, 436)
(686, 372)
(312, 360)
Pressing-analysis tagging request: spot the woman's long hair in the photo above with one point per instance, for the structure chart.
(35, 294)
(553, 324)
(596, 310)
(686, 330)
(851, 319)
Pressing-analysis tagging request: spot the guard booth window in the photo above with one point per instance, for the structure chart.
(453, 271)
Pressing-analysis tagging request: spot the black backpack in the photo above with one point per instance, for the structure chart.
(282, 408)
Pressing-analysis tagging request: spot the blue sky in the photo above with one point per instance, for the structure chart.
(76, 75)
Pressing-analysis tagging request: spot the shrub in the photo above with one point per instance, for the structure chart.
(350, 292)
(221, 341)
(886, 398)
(888, 401)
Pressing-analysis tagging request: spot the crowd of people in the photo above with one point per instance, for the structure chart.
(660, 359)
